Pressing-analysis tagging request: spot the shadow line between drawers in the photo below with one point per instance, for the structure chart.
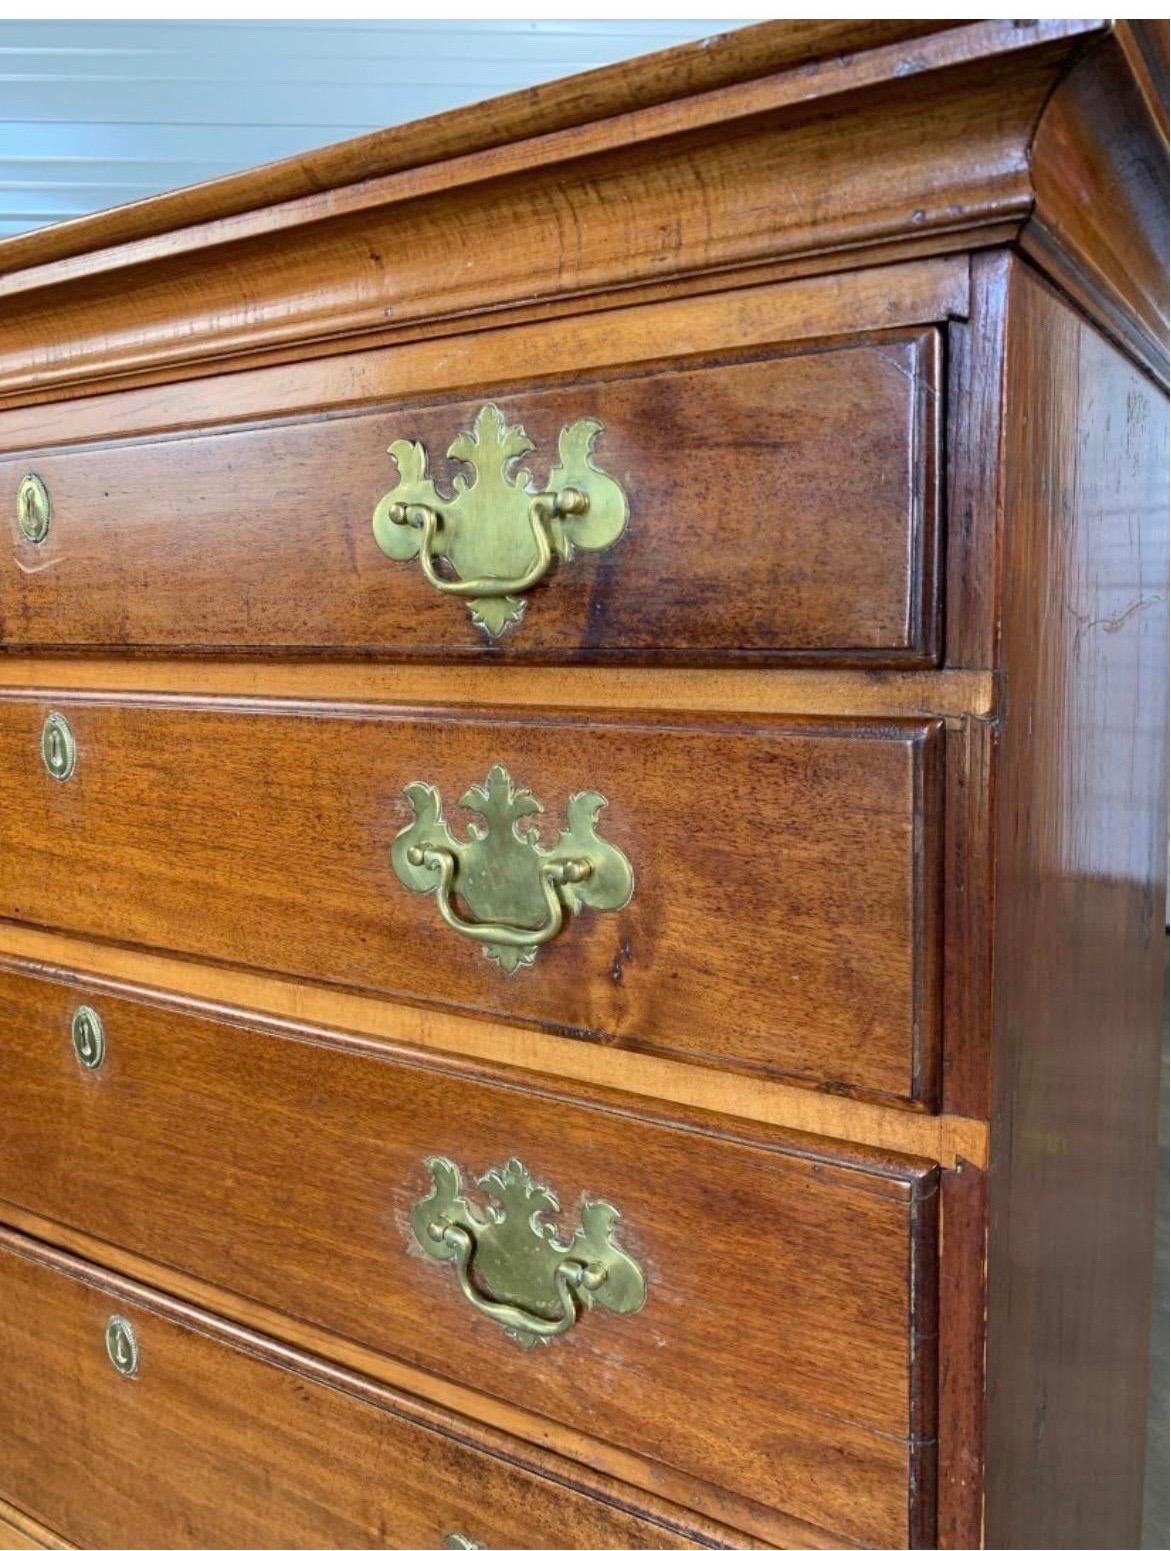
(414, 1030)
(672, 1498)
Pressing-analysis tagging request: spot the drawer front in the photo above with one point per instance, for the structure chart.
(783, 884)
(770, 508)
(207, 1443)
(775, 1336)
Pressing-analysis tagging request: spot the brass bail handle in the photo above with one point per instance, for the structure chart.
(570, 1274)
(512, 1264)
(515, 893)
(497, 533)
(542, 510)
(501, 933)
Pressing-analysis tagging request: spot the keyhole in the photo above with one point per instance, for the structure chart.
(122, 1345)
(32, 508)
(89, 1038)
(58, 748)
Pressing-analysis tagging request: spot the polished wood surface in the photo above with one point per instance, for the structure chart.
(704, 66)
(952, 696)
(815, 838)
(871, 1051)
(826, 1390)
(750, 1521)
(929, 151)
(1080, 939)
(175, 1455)
(17, 1531)
(607, 334)
(976, 348)
(1099, 164)
(750, 535)
(220, 989)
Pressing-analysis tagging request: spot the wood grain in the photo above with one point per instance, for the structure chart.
(350, 1019)
(17, 1531)
(1100, 169)
(950, 695)
(599, 338)
(963, 1290)
(969, 908)
(815, 839)
(975, 462)
(1080, 943)
(175, 1457)
(746, 54)
(750, 535)
(826, 1391)
(705, 1503)
(929, 147)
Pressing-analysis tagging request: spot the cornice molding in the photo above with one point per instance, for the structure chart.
(784, 150)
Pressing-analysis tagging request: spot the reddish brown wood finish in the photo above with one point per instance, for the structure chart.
(929, 152)
(601, 339)
(224, 1440)
(975, 461)
(790, 1285)
(963, 1219)
(1080, 942)
(785, 907)
(707, 65)
(872, 907)
(1099, 162)
(779, 508)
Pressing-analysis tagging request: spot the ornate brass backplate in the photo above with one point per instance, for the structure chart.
(497, 534)
(509, 1262)
(519, 892)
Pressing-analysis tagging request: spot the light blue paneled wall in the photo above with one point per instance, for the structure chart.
(95, 113)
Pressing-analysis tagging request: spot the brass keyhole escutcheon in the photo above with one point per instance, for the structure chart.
(122, 1345)
(33, 508)
(89, 1038)
(58, 747)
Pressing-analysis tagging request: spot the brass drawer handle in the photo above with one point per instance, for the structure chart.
(499, 933)
(530, 1283)
(520, 892)
(499, 533)
(542, 508)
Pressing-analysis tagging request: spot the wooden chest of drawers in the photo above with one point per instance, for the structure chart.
(596, 980)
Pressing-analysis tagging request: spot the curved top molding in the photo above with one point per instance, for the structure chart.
(783, 149)
(725, 60)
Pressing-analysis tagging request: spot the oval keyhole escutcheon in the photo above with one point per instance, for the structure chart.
(33, 508)
(58, 747)
(122, 1345)
(89, 1037)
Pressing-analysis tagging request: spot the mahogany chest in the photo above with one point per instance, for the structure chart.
(582, 816)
